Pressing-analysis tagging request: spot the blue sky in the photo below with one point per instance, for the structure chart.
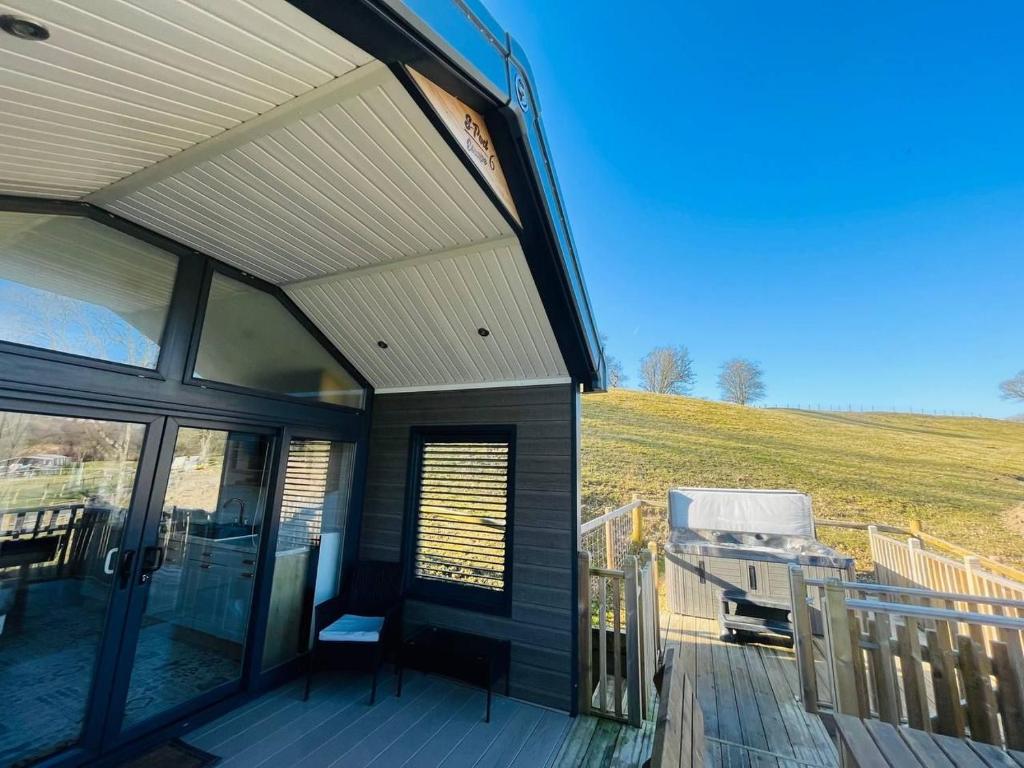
(833, 189)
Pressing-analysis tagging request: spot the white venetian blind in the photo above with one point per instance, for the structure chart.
(305, 489)
(462, 512)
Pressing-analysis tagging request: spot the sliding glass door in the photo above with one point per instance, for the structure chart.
(68, 538)
(131, 592)
(198, 571)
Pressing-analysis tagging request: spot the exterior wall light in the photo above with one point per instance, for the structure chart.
(483, 332)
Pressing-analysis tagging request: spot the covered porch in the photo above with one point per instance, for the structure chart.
(287, 288)
(436, 722)
(748, 694)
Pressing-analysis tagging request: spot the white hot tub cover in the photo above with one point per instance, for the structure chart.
(732, 509)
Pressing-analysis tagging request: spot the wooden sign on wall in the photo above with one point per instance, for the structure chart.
(470, 131)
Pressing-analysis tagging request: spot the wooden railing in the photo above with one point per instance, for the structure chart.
(609, 537)
(916, 531)
(904, 654)
(908, 564)
(620, 638)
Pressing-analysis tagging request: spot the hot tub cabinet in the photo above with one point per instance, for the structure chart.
(695, 582)
(741, 543)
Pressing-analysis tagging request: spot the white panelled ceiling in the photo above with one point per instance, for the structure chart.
(122, 85)
(249, 132)
(363, 179)
(429, 312)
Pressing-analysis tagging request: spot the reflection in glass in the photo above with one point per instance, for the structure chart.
(197, 607)
(70, 284)
(65, 488)
(314, 507)
(251, 340)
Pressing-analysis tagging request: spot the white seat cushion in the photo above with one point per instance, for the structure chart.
(353, 629)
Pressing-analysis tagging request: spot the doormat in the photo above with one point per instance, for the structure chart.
(173, 754)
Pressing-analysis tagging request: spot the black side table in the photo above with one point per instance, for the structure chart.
(474, 659)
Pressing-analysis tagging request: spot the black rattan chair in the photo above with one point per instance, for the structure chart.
(364, 620)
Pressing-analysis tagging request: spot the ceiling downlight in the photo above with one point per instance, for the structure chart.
(23, 29)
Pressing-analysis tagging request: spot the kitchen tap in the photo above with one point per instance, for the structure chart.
(241, 508)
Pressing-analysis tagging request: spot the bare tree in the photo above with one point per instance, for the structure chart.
(13, 427)
(616, 376)
(741, 381)
(667, 370)
(1013, 389)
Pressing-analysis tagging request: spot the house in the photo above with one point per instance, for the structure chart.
(295, 278)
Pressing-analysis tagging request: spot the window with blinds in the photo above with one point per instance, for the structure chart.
(461, 542)
(305, 488)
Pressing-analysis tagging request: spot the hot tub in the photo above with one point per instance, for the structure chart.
(741, 542)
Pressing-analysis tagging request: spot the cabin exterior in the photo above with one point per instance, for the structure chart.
(284, 287)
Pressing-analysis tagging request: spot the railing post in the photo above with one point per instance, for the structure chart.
(586, 680)
(633, 682)
(803, 640)
(972, 565)
(1010, 691)
(875, 556)
(840, 649)
(609, 545)
(637, 533)
(652, 547)
(916, 570)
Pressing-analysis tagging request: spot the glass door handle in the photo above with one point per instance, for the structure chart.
(125, 570)
(108, 563)
(152, 559)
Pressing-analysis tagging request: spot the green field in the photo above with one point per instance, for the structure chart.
(962, 477)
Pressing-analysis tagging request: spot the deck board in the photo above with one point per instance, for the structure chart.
(748, 694)
(436, 722)
(748, 697)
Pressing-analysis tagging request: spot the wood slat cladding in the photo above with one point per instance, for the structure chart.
(543, 515)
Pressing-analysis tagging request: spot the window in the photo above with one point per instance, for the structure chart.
(307, 560)
(70, 284)
(461, 516)
(251, 340)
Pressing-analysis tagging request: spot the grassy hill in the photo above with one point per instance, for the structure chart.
(964, 478)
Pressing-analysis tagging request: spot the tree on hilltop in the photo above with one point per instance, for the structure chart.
(667, 370)
(741, 381)
(1013, 388)
(616, 376)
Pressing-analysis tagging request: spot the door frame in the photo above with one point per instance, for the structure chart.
(113, 735)
(262, 679)
(97, 700)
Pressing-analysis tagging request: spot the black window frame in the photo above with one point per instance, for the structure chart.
(184, 270)
(451, 593)
(276, 292)
(179, 342)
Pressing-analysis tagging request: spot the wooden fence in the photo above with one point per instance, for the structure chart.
(620, 637)
(905, 654)
(908, 564)
(947, 548)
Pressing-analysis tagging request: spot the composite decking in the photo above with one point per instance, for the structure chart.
(435, 723)
(748, 695)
